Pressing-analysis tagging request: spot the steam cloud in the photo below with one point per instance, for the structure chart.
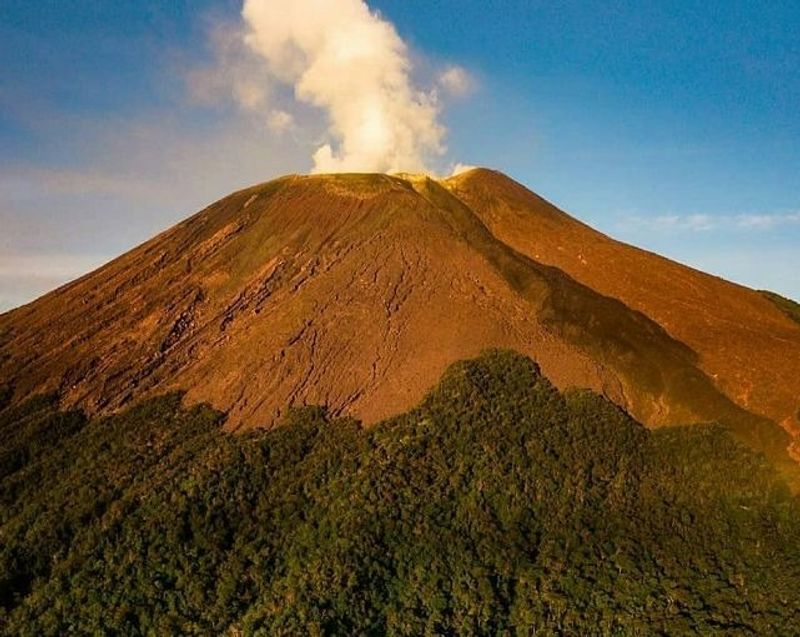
(340, 57)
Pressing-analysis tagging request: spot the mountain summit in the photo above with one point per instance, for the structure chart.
(356, 291)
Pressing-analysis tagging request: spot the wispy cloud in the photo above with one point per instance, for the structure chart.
(132, 177)
(25, 180)
(457, 81)
(24, 277)
(697, 223)
(49, 266)
(767, 221)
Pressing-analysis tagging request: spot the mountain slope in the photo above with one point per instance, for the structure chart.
(356, 292)
(747, 345)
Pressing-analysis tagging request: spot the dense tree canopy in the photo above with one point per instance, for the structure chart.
(498, 506)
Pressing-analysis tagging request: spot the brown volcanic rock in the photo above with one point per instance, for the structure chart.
(350, 291)
(744, 342)
(357, 291)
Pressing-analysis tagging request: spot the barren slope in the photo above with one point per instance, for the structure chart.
(356, 292)
(747, 345)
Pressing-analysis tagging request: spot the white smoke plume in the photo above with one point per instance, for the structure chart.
(341, 60)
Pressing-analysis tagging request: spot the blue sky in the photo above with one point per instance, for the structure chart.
(671, 125)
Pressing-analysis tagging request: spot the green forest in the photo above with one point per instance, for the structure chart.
(498, 506)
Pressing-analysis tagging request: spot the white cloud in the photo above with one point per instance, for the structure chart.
(699, 223)
(673, 223)
(670, 223)
(457, 81)
(767, 221)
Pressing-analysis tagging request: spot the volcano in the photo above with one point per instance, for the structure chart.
(357, 291)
